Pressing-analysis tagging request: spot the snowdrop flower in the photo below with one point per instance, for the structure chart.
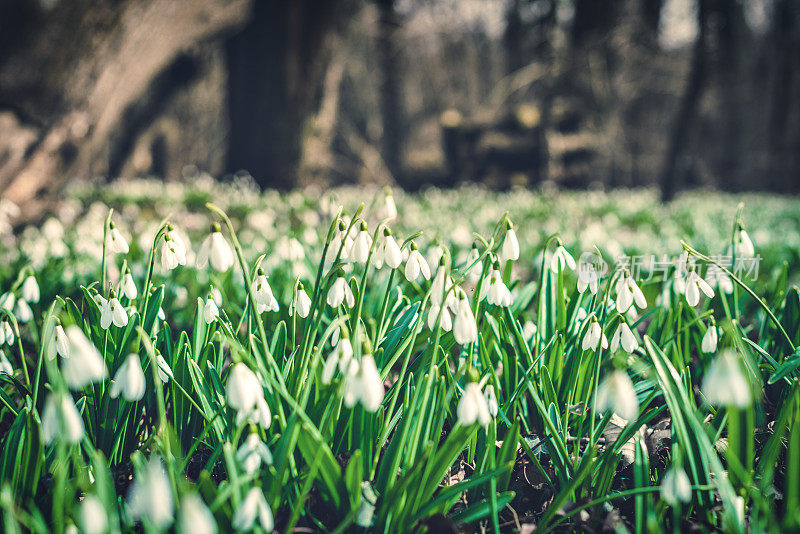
(5, 365)
(117, 243)
(675, 486)
(164, 372)
(84, 365)
(129, 380)
(302, 303)
(195, 517)
(59, 344)
(94, 519)
(7, 301)
(30, 290)
(265, 300)
(623, 336)
(340, 241)
(60, 419)
(473, 407)
(510, 249)
(529, 329)
(112, 312)
(629, 293)
(498, 294)
(709, 343)
(475, 270)
(359, 250)
(216, 251)
(363, 384)
(253, 507)
(245, 394)
(340, 292)
(465, 330)
(718, 278)
(253, 453)
(561, 258)
(388, 251)
(127, 286)
(389, 208)
(173, 250)
(210, 311)
(260, 415)
(725, 383)
(594, 336)
(23, 311)
(742, 245)
(340, 357)
(438, 288)
(616, 393)
(587, 278)
(99, 299)
(416, 265)
(491, 400)
(446, 322)
(150, 497)
(6, 333)
(695, 284)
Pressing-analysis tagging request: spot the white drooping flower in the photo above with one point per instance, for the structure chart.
(173, 250)
(742, 245)
(129, 380)
(594, 336)
(498, 294)
(473, 407)
(588, 278)
(389, 208)
(164, 372)
(363, 384)
(359, 250)
(529, 329)
(616, 393)
(94, 518)
(340, 292)
(718, 278)
(253, 507)
(112, 311)
(116, 242)
(216, 251)
(473, 258)
(195, 517)
(510, 250)
(6, 333)
(341, 240)
(23, 311)
(245, 395)
(30, 290)
(675, 487)
(416, 265)
(624, 337)
(150, 497)
(387, 251)
(725, 383)
(446, 322)
(7, 301)
(60, 419)
(5, 365)
(694, 285)
(709, 342)
(628, 293)
(302, 303)
(210, 311)
(84, 365)
(265, 300)
(561, 258)
(128, 287)
(340, 357)
(253, 453)
(465, 329)
(491, 400)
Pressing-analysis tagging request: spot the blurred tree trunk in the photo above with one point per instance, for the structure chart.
(393, 119)
(731, 38)
(687, 108)
(275, 65)
(592, 21)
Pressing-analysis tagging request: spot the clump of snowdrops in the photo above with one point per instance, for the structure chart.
(377, 387)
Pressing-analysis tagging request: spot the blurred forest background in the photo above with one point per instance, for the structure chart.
(573, 93)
